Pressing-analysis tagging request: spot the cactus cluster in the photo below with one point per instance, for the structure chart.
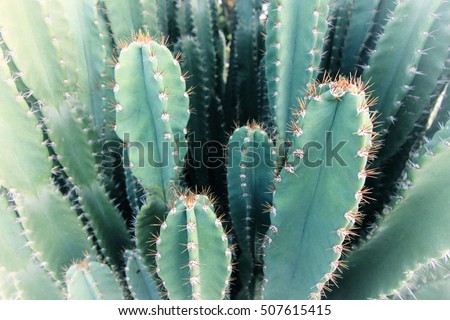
(205, 149)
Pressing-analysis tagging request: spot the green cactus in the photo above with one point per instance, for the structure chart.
(338, 111)
(295, 33)
(192, 238)
(91, 280)
(140, 282)
(251, 167)
(116, 117)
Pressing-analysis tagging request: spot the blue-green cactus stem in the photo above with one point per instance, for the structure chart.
(152, 112)
(391, 74)
(295, 36)
(193, 257)
(318, 190)
(91, 280)
(46, 216)
(429, 71)
(140, 282)
(250, 171)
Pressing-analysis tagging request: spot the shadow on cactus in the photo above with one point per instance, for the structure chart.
(320, 130)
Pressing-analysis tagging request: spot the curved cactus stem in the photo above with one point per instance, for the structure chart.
(91, 280)
(21, 275)
(140, 282)
(152, 112)
(108, 225)
(429, 71)
(32, 35)
(148, 222)
(422, 205)
(295, 33)
(362, 15)
(193, 257)
(250, 172)
(319, 191)
(81, 36)
(29, 283)
(46, 216)
(391, 74)
(15, 253)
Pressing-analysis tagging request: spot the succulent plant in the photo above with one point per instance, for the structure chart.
(204, 149)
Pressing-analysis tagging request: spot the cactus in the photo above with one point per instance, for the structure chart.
(168, 149)
(192, 238)
(295, 32)
(251, 167)
(338, 111)
(91, 280)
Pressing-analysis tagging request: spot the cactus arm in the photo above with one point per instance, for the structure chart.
(91, 280)
(392, 74)
(428, 73)
(71, 143)
(193, 257)
(426, 235)
(250, 175)
(140, 282)
(41, 72)
(21, 275)
(148, 222)
(150, 90)
(15, 254)
(295, 32)
(82, 37)
(299, 261)
(34, 283)
(363, 13)
(125, 18)
(44, 211)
